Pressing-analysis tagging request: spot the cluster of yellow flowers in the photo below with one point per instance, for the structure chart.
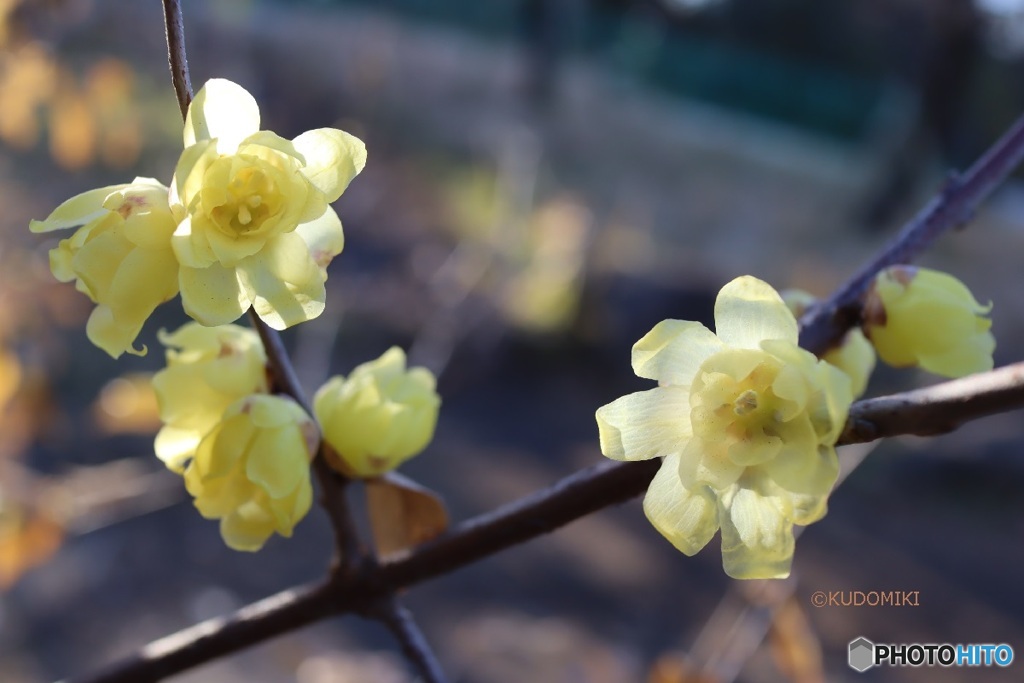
(245, 222)
(747, 421)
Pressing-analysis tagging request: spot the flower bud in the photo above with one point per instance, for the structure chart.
(854, 356)
(251, 470)
(120, 257)
(208, 369)
(916, 316)
(379, 417)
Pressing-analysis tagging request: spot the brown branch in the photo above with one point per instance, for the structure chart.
(214, 638)
(174, 24)
(332, 485)
(414, 644)
(825, 324)
(607, 483)
(936, 409)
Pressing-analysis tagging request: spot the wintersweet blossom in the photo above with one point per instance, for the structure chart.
(854, 355)
(255, 225)
(120, 257)
(251, 471)
(208, 369)
(379, 417)
(746, 421)
(917, 316)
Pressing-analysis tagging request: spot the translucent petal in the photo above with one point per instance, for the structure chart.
(749, 311)
(247, 528)
(212, 295)
(757, 539)
(333, 159)
(688, 519)
(324, 238)
(78, 210)
(703, 463)
(224, 111)
(277, 460)
(97, 261)
(283, 282)
(646, 424)
(804, 469)
(190, 174)
(673, 351)
(174, 446)
(190, 245)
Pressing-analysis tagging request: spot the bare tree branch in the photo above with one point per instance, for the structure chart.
(825, 323)
(602, 485)
(936, 409)
(214, 638)
(414, 645)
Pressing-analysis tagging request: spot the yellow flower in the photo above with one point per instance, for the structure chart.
(120, 257)
(916, 316)
(255, 225)
(746, 421)
(252, 470)
(208, 369)
(855, 356)
(380, 416)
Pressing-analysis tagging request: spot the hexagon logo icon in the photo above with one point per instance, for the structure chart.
(862, 654)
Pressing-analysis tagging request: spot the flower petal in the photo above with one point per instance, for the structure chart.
(644, 425)
(749, 311)
(247, 528)
(333, 159)
(277, 460)
(224, 111)
(757, 538)
(212, 295)
(688, 519)
(673, 351)
(77, 211)
(283, 282)
(324, 238)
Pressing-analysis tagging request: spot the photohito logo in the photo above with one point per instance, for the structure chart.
(863, 654)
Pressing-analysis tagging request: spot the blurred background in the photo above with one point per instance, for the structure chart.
(547, 179)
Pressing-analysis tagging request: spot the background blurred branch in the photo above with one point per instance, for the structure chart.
(825, 323)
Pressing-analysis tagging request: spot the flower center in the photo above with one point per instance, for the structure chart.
(247, 200)
(733, 408)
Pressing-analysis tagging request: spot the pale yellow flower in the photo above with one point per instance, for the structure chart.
(208, 369)
(120, 257)
(251, 471)
(854, 355)
(917, 316)
(255, 225)
(746, 421)
(380, 416)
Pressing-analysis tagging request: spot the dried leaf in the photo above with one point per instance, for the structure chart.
(403, 513)
(26, 541)
(794, 644)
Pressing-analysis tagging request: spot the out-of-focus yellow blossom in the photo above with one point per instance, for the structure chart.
(746, 421)
(380, 416)
(254, 222)
(120, 257)
(252, 470)
(855, 356)
(208, 369)
(917, 316)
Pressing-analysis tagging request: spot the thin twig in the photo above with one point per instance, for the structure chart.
(414, 644)
(332, 485)
(826, 323)
(175, 27)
